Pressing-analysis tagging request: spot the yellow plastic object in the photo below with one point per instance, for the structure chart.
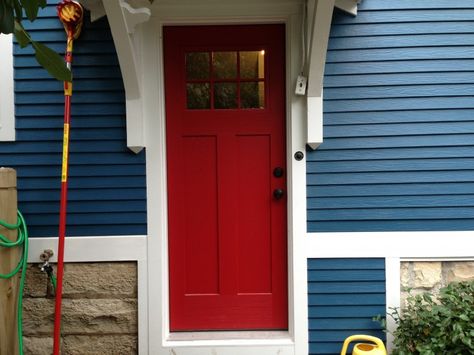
(378, 348)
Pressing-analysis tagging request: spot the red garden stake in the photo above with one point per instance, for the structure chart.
(71, 14)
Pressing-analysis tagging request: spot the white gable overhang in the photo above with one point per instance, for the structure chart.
(124, 17)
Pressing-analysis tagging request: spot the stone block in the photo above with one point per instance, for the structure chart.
(100, 280)
(427, 275)
(103, 345)
(405, 275)
(37, 346)
(83, 345)
(460, 271)
(36, 282)
(81, 316)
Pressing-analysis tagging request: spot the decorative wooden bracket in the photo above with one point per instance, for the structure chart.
(123, 20)
(319, 36)
(321, 17)
(349, 6)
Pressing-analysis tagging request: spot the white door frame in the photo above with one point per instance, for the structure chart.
(161, 341)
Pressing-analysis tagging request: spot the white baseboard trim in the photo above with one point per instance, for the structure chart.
(90, 249)
(407, 245)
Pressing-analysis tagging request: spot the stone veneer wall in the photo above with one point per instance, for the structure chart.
(99, 310)
(423, 276)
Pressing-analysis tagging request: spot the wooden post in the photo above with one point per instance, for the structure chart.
(9, 258)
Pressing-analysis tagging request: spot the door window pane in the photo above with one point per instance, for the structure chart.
(252, 65)
(198, 96)
(224, 65)
(225, 95)
(197, 66)
(252, 95)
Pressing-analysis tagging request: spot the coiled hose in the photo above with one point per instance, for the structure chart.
(21, 242)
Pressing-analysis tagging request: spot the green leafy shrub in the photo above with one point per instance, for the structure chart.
(442, 324)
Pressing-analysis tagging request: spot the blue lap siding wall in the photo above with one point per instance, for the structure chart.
(343, 296)
(398, 151)
(107, 194)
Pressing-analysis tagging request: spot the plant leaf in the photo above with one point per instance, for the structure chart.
(21, 35)
(31, 8)
(6, 17)
(52, 62)
(18, 10)
(42, 3)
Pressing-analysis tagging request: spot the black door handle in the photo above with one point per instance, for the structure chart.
(278, 193)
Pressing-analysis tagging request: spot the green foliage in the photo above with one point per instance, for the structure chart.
(437, 325)
(11, 16)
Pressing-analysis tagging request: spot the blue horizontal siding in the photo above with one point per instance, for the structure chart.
(107, 184)
(343, 297)
(398, 150)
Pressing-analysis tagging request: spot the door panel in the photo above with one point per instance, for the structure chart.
(225, 130)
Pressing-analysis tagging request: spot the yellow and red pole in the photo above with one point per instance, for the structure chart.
(71, 14)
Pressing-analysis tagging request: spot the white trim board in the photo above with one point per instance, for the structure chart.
(103, 249)
(7, 105)
(436, 244)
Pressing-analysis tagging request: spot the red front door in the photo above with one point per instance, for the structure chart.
(225, 130)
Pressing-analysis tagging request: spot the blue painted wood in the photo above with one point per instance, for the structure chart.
(346, 264)
(398, 129)
(393, 225)
(355, 274)
(410, 5)
(381, 29)
(416, 15)
(399, 66)
(343, 297)
(107, 185)
(392, 165)
(75, 159)
(398, 106)
(80, 97)
(346, 287)
(425, 103)
(422, 141)
(419, 40)
(336, 335)
(103, 171)
(388, 190)
(391, 201)
(369, 80)
(83, 207)
(340, 118)
(80, 85)
(80, 60)
(84, 122)
(408, 91)
(390, 177)
(419, 53)
(94, 48)
(38, 183)
(397, 213)
(108, 194)
(392, 153)
(96, 71)
(349, 311)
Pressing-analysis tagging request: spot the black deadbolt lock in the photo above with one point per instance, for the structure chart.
(278, 172)
(299, 155)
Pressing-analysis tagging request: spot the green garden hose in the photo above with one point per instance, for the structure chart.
(22, 241)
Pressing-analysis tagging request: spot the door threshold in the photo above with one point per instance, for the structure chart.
(230, 335)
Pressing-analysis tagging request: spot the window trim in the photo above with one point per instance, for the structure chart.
(7, 104)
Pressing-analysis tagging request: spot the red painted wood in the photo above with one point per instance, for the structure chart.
(227, 233)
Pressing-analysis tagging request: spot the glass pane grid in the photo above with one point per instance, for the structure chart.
(224, 80)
